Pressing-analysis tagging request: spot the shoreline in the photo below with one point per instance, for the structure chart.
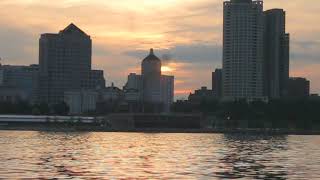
(56, 128)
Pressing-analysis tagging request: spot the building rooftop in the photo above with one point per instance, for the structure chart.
(151, 57)
(72, 28)
(241, 1)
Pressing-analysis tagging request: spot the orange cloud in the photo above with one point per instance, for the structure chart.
(118, 26)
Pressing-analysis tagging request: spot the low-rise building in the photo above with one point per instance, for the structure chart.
(12, 95)
(298, 87)
(20, 78)
(203, 94)
(167, 92)
(79, 102)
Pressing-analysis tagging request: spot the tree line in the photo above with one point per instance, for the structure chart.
(293, 113)
(24, 107)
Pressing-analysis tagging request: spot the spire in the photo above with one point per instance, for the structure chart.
(151, 57)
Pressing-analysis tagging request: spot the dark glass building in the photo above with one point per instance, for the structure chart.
(298, 87)
(217, 83)
(276, 54)
(65, 64)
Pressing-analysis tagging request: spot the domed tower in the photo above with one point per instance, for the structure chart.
(151, 74)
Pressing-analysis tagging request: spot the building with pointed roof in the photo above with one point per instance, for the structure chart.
(65, 64)
(151, 88)
(151, 75)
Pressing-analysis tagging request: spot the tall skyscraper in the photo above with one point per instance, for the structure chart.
(65, 64)
(243, 34)
(276, 53)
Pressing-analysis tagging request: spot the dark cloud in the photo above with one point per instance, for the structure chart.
(306, 51)
(194, 53)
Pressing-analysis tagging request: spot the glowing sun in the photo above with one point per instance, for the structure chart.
(166, 69)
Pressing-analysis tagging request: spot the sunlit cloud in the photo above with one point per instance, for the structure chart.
(189, 30)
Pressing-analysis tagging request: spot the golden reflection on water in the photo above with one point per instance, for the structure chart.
(157, 156)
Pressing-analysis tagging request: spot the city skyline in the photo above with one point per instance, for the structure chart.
(189, 39)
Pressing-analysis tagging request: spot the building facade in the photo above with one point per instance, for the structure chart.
(151, 78)
(167, 92)
(20, 78)
(79, 102)
(65, 64)
(243, 35)
(151, 88)
(276, 55)
(134, 88)
(203, 94)
(217, 83)
(134, 82)
(298, 87)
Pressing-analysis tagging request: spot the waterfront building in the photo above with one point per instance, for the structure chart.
(88, 100)
(276, 54)
(65, 64)
(111, 93)
(13, 94)
(96, 80)
(133, 88)
(167, 92)
(203, 94)
(298, 87)
(134, 82)
(20, 79)
(151, 79)
(151, 88)
(217, 83)
(83, 101)
(243, 35)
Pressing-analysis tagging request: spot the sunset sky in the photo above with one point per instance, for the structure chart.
(186, 33)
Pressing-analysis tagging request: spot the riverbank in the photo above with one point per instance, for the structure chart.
(86, 128)
(141, 123)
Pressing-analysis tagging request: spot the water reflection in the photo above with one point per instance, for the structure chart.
(252, 156)
(157, 156)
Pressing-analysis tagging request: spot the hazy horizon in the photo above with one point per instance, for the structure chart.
(186, 34)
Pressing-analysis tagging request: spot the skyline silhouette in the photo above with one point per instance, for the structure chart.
(191, 36)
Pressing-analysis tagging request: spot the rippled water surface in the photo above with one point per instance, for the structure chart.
(157, 156)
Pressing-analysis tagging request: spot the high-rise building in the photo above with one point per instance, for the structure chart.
(243, 35)
(217, 82)
(65, 64)
(276, 54)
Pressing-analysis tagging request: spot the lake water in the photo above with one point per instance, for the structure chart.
(157, 156)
